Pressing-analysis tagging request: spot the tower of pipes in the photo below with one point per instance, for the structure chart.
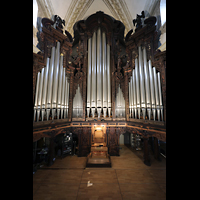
(98, 79)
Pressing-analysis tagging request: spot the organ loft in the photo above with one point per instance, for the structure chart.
(98, 85)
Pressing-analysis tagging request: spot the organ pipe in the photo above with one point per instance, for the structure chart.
(66, 98)
(50, 81)
(36, 94)
(131, 85)
(44, 95)
(146, 78)
(59, 86)
(160, 94)
(152, 90)
(156, 93)
(137, 86)
(108, 78)
(105, 95)
(55, 80)
(93, 96)
(63, 93)
(89, 76)
(134, 93)
(141, 72)
(40, 93)
(99, 69)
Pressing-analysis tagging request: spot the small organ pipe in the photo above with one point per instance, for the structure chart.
(160, 94)
(142, 91)
(59, 86)
(146, 78)
(93, 96)
(63, 93)
(156, 93)
(137, 86)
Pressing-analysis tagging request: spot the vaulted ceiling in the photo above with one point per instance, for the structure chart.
(74, 10)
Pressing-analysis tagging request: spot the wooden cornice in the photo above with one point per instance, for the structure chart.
(146, 128)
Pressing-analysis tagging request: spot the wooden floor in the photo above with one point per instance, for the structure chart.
(129, 178)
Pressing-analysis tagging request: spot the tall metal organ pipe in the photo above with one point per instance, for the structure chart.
(160, 94)
(59, 86)
(146, 78)
(104, 77)
(108, 79)
(93, 94)
(137, 87)
(89, 76)
(55, 79)
(142, 91)
(156, 93)
(44, 95)
(63, 93)
(40, 93)
(152, 90)
(99, 72)
(134, 93)
(50, 81)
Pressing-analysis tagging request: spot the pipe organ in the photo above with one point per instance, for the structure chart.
(52, 88)
(80, 79)
(98, 75)
(145, 89)
(105, 70)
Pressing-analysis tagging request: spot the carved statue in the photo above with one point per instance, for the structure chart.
(138, 20)
(59, 21)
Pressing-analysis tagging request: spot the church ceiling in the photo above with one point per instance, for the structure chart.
(74, 10)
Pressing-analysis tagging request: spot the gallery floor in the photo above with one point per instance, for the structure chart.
(129, 178)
